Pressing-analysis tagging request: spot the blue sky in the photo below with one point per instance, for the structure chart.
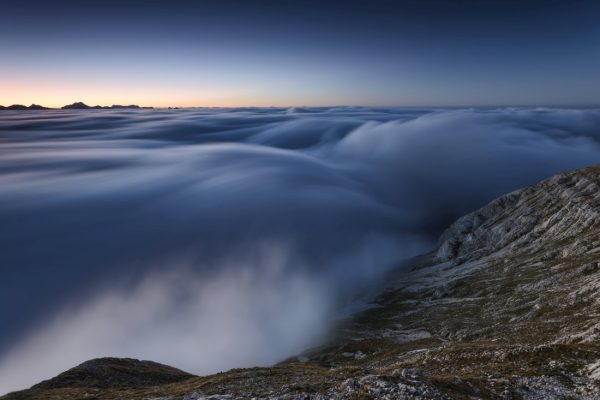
(238, 53)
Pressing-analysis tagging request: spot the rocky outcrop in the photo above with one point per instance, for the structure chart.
(561, 208)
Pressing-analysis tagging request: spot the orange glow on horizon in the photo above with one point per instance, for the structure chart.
(56, 95)
(156, 101)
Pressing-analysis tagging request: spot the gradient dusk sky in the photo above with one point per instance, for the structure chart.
(288, 52)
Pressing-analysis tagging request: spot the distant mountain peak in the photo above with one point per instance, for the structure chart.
(82, 106)
(24, 107)
(76, 106)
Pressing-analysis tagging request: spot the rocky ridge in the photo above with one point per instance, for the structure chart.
(505, 307)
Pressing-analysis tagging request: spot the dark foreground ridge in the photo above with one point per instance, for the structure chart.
(74, 106)
(506, 307)
(115, 373)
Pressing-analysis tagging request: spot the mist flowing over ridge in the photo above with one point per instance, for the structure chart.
(210, 239)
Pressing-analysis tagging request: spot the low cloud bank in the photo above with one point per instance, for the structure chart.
(213, 239)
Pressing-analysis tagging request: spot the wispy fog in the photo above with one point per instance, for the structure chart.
(210, 239)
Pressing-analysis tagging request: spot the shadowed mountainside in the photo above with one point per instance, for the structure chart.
(505, 307)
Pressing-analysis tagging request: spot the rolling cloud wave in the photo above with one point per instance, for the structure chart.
(217, 238)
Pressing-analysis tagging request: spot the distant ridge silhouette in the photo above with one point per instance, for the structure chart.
(22, 107)
(75, 106)
(83, 106)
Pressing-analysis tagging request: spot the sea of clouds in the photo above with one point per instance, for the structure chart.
(209, 239)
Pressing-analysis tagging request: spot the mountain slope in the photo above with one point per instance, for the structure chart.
(506, 306)
(115, 372)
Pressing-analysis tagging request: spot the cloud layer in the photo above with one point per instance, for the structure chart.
(215, 238)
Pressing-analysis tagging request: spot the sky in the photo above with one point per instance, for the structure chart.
(292, 53)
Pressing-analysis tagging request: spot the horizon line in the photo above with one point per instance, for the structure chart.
(141, 107)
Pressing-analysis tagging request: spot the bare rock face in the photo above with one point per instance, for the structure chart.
(561, 208)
